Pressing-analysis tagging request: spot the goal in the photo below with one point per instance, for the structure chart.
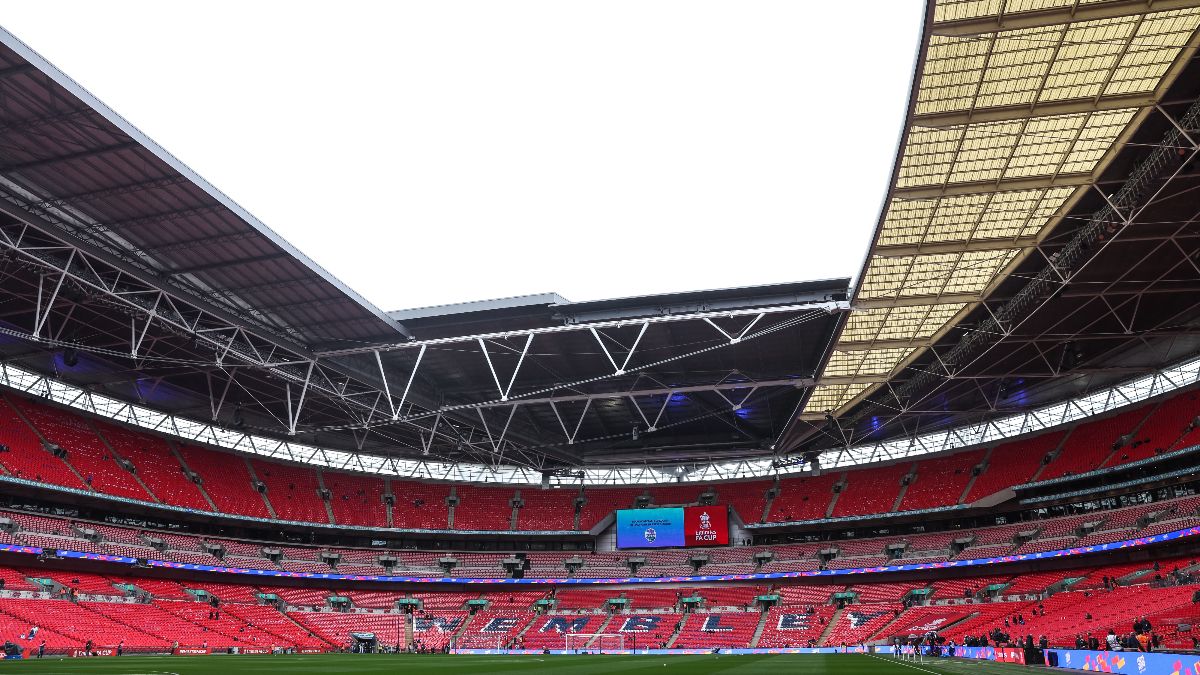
(579, 642)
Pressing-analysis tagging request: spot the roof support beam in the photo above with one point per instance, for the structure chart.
(1020, 112)
(865, 345)
(1072, 13)
(106, 193)
(207, 267)
(853, 379)
(188, 244)
(157, 219)
(656, 391)
(828, 307)
(917, 300)
(1003, 185)
(1005, 244)
(82, 154)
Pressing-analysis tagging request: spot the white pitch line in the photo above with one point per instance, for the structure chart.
(902, 663)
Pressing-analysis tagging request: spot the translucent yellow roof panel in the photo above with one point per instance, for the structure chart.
(1157, 44)
(1083, 60)
(916, 322)
(956, 10)
(959, 10)
(968, 272)
(865, 362)
(992, 215)
(996, 151)
(831, 397)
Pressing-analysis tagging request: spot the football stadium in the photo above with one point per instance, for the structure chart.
(977, 452)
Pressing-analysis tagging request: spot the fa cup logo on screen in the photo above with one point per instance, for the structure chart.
(705, 533)
(651, 535)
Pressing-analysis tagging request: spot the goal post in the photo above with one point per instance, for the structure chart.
(593, 642)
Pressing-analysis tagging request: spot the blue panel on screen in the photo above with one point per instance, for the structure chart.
(649, 528)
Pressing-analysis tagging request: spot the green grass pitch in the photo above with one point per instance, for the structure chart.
(807, 664)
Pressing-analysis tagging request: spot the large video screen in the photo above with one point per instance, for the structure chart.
(649, 528)
(673, 527)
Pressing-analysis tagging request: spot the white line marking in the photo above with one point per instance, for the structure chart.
(902, 663)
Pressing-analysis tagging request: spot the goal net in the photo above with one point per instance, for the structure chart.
(593, 642)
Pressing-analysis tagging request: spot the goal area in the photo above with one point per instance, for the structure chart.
(593, 642)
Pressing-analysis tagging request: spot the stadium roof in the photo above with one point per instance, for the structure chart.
(130, 274)
(1022, 117)
(1035, 244)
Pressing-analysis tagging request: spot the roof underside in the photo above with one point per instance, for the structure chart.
(1025, 118)
(126, 272)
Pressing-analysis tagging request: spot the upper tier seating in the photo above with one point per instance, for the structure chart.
(156, 465)
(940, 481)
(226, 480)
(481, 508)
(872, 490)
(602, 502)
(1161, 430)
(748, 498)
(803, 498)
(1089, 444)
(292, 491)
(24, 457)
(355, 499)
(545, 510)
(96, 450)
(85, 450)
(1013, 463)
(420, 505)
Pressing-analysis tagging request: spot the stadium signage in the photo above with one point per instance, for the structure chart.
(673, 527)
(573, 581)
(672, 652)
(1127, 663)
(102, 651)
(197, 651)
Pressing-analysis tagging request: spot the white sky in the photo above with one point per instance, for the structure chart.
(445, 151)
